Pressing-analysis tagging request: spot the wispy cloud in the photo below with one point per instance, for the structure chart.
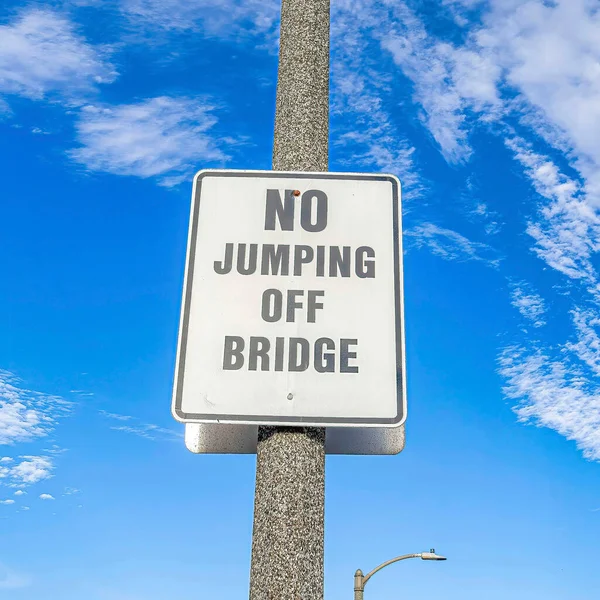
(9, 501)
(549, 53)
(148, 431)
(5, 110)
(553, 386)
(46, 497)
(26, 414)
(448, 81)
(566, 228)
(587, 346)
(11, 579)
(55, 450)
(491, 225)
(461, 9)
(529, 304)
(115, 416)
(225, 19)
(553, 393)
(360, 94)
(159, 137)
(449, 244)
(529, 72)
(535, 61)
(42, 54)
(144, 430)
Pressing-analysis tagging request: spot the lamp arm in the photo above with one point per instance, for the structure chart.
(385, 564)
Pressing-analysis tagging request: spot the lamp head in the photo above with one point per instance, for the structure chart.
(431, 555)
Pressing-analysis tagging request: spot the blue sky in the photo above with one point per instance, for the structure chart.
(487, 111)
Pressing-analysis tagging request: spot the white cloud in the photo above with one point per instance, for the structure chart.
(26, 414)
(461, 9)
(225, 18)
(529, 304)
(533, 65)
(449, 244)
(484, 214)
(41, 53)
(26, 471)
(6, 459)
(554, 394)
(550, 53)
(31, 469)
(566, 228)
(557, 387)
(46, 497)
(10, 501)
(24, 507)
(587, 346)
(447, 80)
(165, 137)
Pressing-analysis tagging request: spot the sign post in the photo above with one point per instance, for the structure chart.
(291, 340)
(292, 320)
(288, 534)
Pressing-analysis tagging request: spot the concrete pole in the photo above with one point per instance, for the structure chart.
(302, 110)
(289, 502)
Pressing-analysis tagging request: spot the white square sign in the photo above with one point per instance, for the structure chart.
(292, 307)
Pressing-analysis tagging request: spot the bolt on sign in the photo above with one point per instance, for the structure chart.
(292, 308)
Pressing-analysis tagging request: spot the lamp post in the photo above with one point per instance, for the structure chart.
(360, 580)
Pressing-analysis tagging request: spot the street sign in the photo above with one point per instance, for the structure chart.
(292, 308)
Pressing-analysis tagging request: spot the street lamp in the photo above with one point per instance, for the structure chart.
(360, 580)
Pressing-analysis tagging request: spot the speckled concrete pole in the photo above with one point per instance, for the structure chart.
(288, 535)
(289, 502)
(302, 110)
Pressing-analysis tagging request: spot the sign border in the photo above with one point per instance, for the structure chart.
(400, 417)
